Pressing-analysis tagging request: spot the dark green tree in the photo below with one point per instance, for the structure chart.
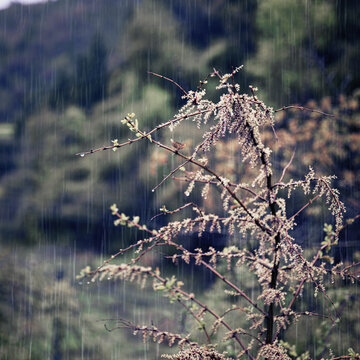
(306, 49)
(61, 94)
(91, 74)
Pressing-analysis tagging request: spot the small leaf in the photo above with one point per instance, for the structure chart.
(114, 209)
(115, 143)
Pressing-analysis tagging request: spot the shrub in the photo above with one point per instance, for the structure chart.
(259, 231)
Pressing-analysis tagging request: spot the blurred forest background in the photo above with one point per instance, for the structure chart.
(70, 70)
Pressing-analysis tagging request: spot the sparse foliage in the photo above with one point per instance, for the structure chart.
(255, 321)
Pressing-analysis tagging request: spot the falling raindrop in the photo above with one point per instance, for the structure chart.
(73, 87)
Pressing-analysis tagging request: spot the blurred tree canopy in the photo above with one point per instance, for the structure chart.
(70, 70)
(88, 84)
(292, 52)
(306, 49)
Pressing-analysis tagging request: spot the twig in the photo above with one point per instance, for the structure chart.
(306, 313)
(179, 209)
(263, 226)
(180, 247)
(223, 278)
(122, 251)
(287, 166)
(178, 167)
(315, 259)
(205, 307)
(203, 82)
(303, 108)
(252, 192)
(346, 357)
(304, 207)
(170, 80)
(312, 278)
(148, 330)
(133, 261)
(146, 135)
(168, 175)
(215, 72)
(256, 101)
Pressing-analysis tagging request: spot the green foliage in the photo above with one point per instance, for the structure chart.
(292, 351)
(52, 177)
(353, 355)
(143, 45)
(61, 94)
(303, 49)
(45, 313)
(88, 82)
(91, 74)
(33, 64)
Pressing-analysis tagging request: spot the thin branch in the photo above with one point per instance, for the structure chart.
(350, 221)
(203, 82)
(303, 108)
(305, 313)
(168, 175)
(170, 80)
(144, 252)
(287, 166)
(220, 276)
(200, 322)
(351, 357)
(180, 166)
(146, 135)
(205, 307)
(252, 192)
(180, 247)
(151, 331)
(243, 332)
(263, 226)
(256, 101)
(342, 306)
(315, 259)
(351, 266)
(215, 72)
(234, 309)
(304, 207)
(274, 132)
(179, 209)
(317, 256)
(122, 251)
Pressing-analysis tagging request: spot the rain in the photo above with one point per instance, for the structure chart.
(179, 177)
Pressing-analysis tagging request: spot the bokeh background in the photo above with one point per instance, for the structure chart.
(69, 72)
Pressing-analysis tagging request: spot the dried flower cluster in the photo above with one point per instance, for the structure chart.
(257, 210)
(197, 353)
